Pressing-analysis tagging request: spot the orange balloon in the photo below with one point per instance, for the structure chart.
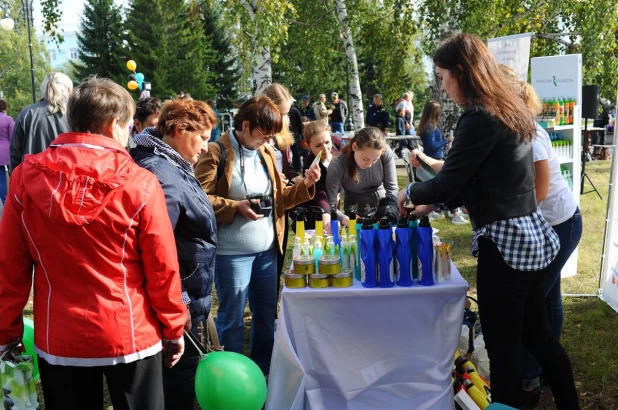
(132, 85)
(131, 65)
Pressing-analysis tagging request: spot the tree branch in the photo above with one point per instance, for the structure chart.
(554, 37)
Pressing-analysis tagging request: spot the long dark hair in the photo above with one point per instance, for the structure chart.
(431, 114)
(482, 83)
(370, 137)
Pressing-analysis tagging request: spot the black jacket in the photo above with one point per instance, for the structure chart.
(195, 229)
(486, 171)
(35, 128)
(378, 117)
(296, 123)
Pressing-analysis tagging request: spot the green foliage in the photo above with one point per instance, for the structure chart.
(15, 80)
(224, 67)
(100, 41)
(592, 24)
(51, 18)
(167, 41)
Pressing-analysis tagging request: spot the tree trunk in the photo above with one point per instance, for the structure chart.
(262, 64)
(355, 93)
(262, 69)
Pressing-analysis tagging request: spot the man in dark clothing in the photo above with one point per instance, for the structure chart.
(377, 114)
(340, 113)
(39, 124)
(296, 127)
(306, 111)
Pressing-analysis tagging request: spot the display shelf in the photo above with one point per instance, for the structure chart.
(566, 161)
(560, 127)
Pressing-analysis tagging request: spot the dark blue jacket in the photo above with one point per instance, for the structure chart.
(433, 142)
(377, 116)
(195, 229)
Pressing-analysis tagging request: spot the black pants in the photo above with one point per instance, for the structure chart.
(513, 311)
(179, 384)
(133, 386)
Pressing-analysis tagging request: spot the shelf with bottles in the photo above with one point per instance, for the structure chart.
(567, 174)
(562, 147)
(558, 113)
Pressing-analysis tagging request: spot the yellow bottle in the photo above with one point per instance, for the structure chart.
(479, 382)
(479, 398)
(319, 224)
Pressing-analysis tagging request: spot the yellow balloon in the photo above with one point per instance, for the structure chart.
(131, 65)
(132, 85)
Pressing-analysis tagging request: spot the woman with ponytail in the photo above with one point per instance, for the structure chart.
(365, 170)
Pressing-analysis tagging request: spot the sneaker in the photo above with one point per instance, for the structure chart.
(435, 215)
(460, 220)
(450, 214)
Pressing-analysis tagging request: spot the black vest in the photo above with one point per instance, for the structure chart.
(487, 171)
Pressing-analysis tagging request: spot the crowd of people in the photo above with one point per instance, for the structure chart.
(125, 215)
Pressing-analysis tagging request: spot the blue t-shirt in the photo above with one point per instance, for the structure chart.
(433, 142)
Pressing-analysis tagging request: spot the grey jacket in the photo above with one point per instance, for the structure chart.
(35, 128)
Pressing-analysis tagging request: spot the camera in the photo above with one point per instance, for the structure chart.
(263, 207)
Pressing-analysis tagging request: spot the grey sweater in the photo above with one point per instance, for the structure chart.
(374, 183)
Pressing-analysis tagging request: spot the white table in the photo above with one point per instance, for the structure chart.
(365, 349)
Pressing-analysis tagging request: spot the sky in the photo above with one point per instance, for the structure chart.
(71, 12)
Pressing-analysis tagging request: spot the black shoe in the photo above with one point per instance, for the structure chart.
(398, 153)
(531, 398)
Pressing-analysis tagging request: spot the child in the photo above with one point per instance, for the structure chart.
(431, 136)
(400, 128)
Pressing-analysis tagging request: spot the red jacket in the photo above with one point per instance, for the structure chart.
(94, 226)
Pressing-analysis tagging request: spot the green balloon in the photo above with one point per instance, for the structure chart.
(28, 341)
(227, 380)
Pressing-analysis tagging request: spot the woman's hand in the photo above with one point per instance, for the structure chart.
(415, 154)
(402, 198)
(312, 175)
(422, 210)
(172, 352)
(297, 179)
(284, 179)
(244, 208)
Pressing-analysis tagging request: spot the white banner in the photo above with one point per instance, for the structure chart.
(513, 51)
(609, 268)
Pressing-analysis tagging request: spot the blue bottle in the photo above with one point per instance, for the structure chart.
(425, 251)
(334, 225)
(414, 248)
(403, 252)
(386, 250)
(368, 253)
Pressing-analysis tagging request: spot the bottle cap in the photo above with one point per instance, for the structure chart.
(317, 242)
(384, 223)
(424, 223)
(403, 222)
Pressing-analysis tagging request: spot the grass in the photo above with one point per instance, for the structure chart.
(589, 333)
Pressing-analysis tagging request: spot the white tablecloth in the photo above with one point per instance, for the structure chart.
(356, 348)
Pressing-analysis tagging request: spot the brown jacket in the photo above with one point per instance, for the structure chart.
(285, 197)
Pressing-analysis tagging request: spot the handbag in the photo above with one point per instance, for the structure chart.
(18, 389)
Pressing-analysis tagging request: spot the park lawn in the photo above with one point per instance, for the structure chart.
(589, 333)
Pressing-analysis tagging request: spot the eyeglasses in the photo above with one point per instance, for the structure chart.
(270, 136)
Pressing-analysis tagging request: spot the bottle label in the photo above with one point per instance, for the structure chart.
(420, 269)
(362, 271)
(392, 272)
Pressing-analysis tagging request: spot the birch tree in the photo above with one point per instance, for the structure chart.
(263, 27)
(355, 92)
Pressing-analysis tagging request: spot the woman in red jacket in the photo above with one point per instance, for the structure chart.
(93, 225)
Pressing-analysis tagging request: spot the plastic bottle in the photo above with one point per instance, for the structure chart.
(403, 252)
(318, 251)
(300, 223)
(306, 247)
(556, 104)
(386, 246)
(329, 249)
(345, 247)
(386, 268)
(571, 110)
(545, 112)
(319, 225)
(414, 248)
(334, 224)
(352, 224)
(425, 252)
(562, 111)
(369, 265)
(354, 256)
(476, 394)
(297, 247)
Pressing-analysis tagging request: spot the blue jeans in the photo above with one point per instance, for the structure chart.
(3, 182)
(569, 232)
(337, 127)
(253, 277)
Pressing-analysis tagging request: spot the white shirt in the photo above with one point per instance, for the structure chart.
(559, 205)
